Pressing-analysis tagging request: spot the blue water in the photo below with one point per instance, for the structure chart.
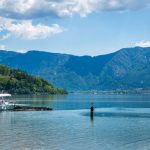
(120, 122)
(83, 101)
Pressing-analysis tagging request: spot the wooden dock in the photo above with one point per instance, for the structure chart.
(31, 108)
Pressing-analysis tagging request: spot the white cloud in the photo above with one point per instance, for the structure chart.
(16, 15)
(22, 51)
(26, 30)
(6, 36)
(29, 9)
(143, 44)
(2, 47)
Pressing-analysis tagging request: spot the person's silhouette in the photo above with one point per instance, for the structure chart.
(92, 112)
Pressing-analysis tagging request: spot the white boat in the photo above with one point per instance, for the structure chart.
(4, 105)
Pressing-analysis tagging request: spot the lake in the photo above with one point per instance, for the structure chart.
(120, 122)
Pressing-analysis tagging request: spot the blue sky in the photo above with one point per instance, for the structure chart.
(80, 27)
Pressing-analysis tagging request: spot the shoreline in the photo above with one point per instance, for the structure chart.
(135, 91)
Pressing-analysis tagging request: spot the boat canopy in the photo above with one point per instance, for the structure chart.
(5, 95)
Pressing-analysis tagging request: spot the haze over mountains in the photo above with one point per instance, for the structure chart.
(128, 68)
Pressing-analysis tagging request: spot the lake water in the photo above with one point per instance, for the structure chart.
(120, 122)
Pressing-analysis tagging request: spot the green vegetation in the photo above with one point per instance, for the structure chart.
(19, 82)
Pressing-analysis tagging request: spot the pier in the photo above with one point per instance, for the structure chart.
(31, 108)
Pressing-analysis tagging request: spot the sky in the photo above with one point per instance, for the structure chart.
(78, 27)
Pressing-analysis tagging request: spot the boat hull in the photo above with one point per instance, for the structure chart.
(4, 107)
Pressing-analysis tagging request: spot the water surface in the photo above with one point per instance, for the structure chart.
(83, 101)
(120, 122)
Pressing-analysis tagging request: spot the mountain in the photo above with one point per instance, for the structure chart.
(19, 82)
(127, 68)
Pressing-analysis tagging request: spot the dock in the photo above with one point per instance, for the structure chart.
(31, 108)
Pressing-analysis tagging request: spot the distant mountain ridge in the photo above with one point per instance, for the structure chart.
(128, 68)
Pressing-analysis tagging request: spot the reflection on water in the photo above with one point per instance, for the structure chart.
(118, 122)
(117, 115)
(83, 101)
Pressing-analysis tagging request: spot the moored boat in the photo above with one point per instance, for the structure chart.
(5, 105)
